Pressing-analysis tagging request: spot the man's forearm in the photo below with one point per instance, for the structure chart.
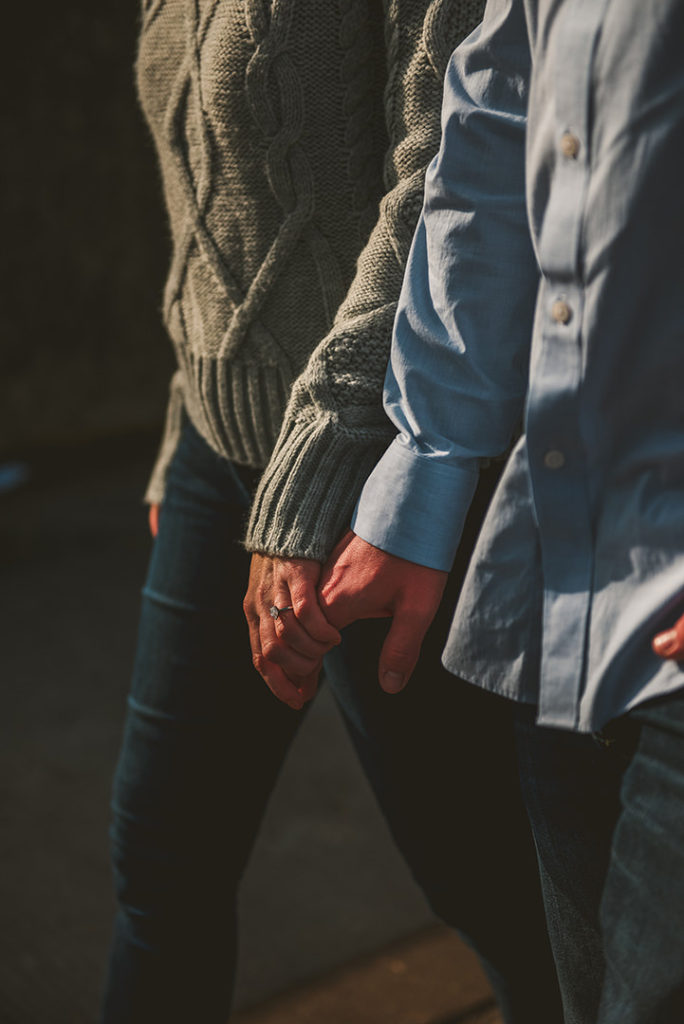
(458, 373)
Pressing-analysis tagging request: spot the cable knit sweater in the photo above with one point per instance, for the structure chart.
(293, 137)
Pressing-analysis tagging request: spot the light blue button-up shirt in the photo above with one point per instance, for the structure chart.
(545, 288)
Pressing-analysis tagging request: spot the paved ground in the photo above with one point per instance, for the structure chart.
(73, 547)
(429, 978)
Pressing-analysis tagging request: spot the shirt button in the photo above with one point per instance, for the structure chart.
(569, 145)
(561, 312)
(554, 459)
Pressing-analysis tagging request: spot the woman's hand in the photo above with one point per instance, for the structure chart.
(153, 519)
(287, 650)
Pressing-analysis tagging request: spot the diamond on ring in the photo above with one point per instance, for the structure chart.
(276, 612)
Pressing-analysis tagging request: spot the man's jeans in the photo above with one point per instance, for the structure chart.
(608, 818)
(203, 744)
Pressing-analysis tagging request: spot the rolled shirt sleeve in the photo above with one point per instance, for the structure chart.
(457, 378)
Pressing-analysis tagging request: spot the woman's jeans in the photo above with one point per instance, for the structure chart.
(608, 820)
(204, 742)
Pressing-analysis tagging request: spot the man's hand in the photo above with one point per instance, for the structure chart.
(360, 581)
(287, 651)
(670, 643)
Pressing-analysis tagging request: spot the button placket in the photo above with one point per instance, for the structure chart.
(554, 434)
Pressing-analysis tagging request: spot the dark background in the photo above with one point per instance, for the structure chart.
(84, 250)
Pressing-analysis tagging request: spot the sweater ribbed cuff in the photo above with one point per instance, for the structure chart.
(309, 489)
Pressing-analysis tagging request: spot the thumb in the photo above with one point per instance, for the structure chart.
(401, 649)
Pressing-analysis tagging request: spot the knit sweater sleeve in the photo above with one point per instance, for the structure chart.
(335, 428)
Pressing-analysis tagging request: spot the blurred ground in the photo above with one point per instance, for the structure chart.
(73, 546)
(429, 978)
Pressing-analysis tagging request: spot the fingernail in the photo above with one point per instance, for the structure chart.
(665, 643)
(392, 682)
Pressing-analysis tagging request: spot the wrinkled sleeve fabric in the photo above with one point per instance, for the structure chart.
(457, 379)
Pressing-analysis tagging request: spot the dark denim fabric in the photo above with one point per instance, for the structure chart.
(607, 813)
(203, 744)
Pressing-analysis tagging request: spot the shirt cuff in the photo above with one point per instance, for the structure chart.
(414, 507)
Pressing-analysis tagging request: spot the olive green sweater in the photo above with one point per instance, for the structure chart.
(293, 138)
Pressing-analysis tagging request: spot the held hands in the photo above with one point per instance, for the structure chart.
(358, 582)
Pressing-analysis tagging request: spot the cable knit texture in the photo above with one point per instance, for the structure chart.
(293, 138)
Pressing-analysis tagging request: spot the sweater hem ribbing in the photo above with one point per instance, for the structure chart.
(236, 408)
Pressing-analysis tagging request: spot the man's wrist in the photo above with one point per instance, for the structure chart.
(414, 506)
